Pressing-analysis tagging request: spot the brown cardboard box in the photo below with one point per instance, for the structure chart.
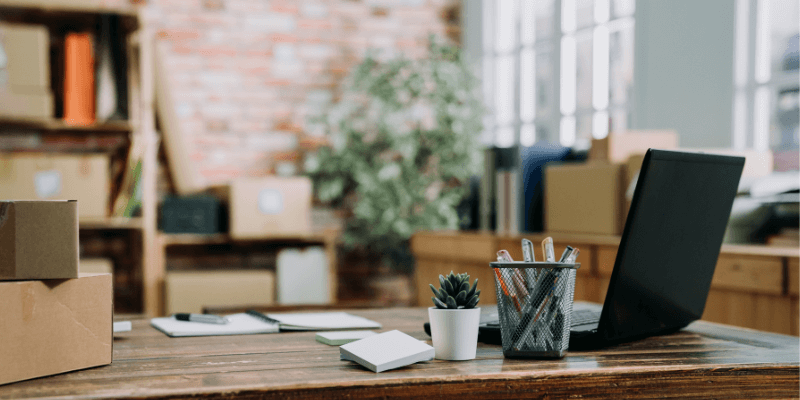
(190, 291)
(584, 198)
(38, 240)
(617, 147)
(96, 266)
(27, 50)
(26, 105)
(54, 326)
(269, 207)
(757, 163)
(65, 177)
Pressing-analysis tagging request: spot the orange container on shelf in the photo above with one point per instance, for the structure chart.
(78, 79)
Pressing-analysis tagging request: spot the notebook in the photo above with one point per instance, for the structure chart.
(238, 324)
(325, 321)
(388, 350)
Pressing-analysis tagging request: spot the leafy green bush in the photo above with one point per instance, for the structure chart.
(404, 141)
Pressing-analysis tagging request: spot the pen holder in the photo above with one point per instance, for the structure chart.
(534, 302)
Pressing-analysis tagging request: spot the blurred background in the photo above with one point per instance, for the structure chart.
(228, 153)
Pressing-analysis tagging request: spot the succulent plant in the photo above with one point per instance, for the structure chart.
(454, 292)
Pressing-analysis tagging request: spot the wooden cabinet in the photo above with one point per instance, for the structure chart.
(753, 286)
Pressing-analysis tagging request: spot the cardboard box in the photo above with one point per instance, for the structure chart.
(190, 291)
(270, 207)
(96, 266)
(63, 176)
(757, 163)
(584, 198)
(617, 147)
(38, 240)
(27, 50)
(26, 105)
(54, 326)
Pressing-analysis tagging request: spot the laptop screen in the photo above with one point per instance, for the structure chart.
(670, 244)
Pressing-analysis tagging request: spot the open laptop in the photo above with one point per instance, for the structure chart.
(667, 253)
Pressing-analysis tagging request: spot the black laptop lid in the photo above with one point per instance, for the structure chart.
(670, 244)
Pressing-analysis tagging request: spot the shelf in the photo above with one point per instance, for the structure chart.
(70, 12)
(59, 126)
(110, 223)
(189, 239)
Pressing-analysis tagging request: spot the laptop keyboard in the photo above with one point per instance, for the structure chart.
(582, 317)
(579, 317)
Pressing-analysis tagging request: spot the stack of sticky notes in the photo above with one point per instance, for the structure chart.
(338, 338)
(388, 350)
(48, 309)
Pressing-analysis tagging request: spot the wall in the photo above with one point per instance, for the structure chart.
(245, 74)
(683, 70)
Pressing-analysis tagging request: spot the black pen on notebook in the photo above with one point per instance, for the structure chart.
(204, 318)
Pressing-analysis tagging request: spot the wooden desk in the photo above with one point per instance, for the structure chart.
(706, 360)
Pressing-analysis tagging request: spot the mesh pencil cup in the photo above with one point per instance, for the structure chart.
(534, 302)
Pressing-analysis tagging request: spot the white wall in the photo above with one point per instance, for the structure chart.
(683, 69)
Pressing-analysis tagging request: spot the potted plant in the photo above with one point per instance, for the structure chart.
(454, 318)
(403, 146)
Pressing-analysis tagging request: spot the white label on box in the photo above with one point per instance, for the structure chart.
(47, 183)
(270, 201)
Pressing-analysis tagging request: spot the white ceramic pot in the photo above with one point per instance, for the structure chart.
(454, 332)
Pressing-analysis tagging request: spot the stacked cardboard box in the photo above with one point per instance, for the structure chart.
(593, 197)
(39, 176)
(55, 319)
(25, 75)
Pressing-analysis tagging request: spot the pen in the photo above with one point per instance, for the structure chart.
(204, 318)
(566, 254)
(572, 257)
(509, 289)
(547, 249)
(530, 256)
(527, 251)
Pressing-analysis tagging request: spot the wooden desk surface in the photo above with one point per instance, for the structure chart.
(705, 360)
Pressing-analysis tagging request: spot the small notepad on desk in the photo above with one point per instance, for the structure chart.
(238, 324)
(388, 350)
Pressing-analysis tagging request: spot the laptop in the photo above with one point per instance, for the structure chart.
(667, 253)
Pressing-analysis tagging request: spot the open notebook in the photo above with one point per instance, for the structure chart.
(238, 324)
(326, 321)
(253, 322)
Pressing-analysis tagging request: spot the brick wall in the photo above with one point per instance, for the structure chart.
(245, 74)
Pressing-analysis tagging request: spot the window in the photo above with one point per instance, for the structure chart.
(765, 104)
(556, 70)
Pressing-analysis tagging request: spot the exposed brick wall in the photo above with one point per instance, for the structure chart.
(245, 74)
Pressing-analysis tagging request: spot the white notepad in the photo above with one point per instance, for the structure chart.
(387, 351)
(339, 338)
(238, 324)
(322, 321)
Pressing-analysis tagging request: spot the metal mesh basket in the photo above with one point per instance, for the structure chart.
(534, 302)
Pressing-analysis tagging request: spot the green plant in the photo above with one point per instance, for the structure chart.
(403, 142)
(454, 292)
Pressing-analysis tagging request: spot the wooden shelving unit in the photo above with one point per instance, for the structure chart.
(46, 126)
(145, 282)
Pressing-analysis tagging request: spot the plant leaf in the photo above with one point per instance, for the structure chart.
(474, 286)
(464, 286)
(472, 302)
(451, 302)
(442, 295)
(448, 287)
(438, 303)
(461, 298)
(441, 280)
(434, 289)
